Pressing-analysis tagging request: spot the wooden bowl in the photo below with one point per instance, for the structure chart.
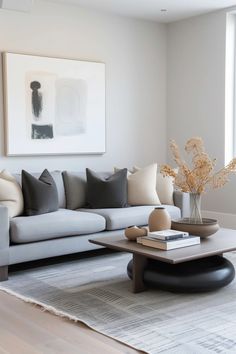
(132, 232)
(208, 227)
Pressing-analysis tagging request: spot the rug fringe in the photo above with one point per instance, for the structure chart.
(62, 314)
(43, 306)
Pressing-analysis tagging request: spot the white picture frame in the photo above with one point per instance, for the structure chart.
(53, 106)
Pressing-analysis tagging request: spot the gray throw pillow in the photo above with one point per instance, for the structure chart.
(40, 195)
(110, 192)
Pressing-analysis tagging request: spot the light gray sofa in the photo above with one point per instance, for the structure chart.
(67, 231)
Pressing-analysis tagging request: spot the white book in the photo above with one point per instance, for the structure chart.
(171, 244)
(167, 234)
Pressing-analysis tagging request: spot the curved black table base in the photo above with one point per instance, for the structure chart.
(205, 274)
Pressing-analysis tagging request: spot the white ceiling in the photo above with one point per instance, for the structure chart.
(151, 9)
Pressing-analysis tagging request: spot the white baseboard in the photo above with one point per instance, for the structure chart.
(224, 219)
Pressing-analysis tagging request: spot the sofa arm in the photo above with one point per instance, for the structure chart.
(4, 236)
(182, 201)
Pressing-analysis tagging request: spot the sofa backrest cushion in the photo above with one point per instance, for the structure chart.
(76, 187)
(57, 176)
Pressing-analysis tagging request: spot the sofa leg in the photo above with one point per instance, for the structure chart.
(3, 273)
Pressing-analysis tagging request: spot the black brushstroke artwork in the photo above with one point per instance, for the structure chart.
(37, 99)
(42, 131)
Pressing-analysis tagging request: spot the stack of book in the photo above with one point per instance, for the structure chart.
(168, 239)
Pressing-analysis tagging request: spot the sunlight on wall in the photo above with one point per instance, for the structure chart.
(230, 132)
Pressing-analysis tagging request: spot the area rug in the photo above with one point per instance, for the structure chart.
(97, 292)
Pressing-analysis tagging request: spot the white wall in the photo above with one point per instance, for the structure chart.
(135, 55)
(196, 93)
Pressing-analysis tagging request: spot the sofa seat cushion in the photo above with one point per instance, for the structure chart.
(120, 218)
(61, 223)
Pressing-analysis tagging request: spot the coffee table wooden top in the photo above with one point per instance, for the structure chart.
(222, 241)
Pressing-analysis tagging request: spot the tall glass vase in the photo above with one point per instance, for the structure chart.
(195, 208)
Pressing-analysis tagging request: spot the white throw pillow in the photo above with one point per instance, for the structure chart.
(165, 188)
(11, 194)
(142, 186)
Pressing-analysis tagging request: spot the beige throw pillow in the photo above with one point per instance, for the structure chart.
(165, 189)
(142, 186)
(11, 194)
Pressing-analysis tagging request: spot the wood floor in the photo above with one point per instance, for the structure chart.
(26, 329)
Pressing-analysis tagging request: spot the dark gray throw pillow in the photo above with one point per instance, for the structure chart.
(111, 192)
(40, 195)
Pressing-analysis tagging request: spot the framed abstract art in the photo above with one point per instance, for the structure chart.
(53, 106)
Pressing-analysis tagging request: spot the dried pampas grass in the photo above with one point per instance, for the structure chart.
(196, 178)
